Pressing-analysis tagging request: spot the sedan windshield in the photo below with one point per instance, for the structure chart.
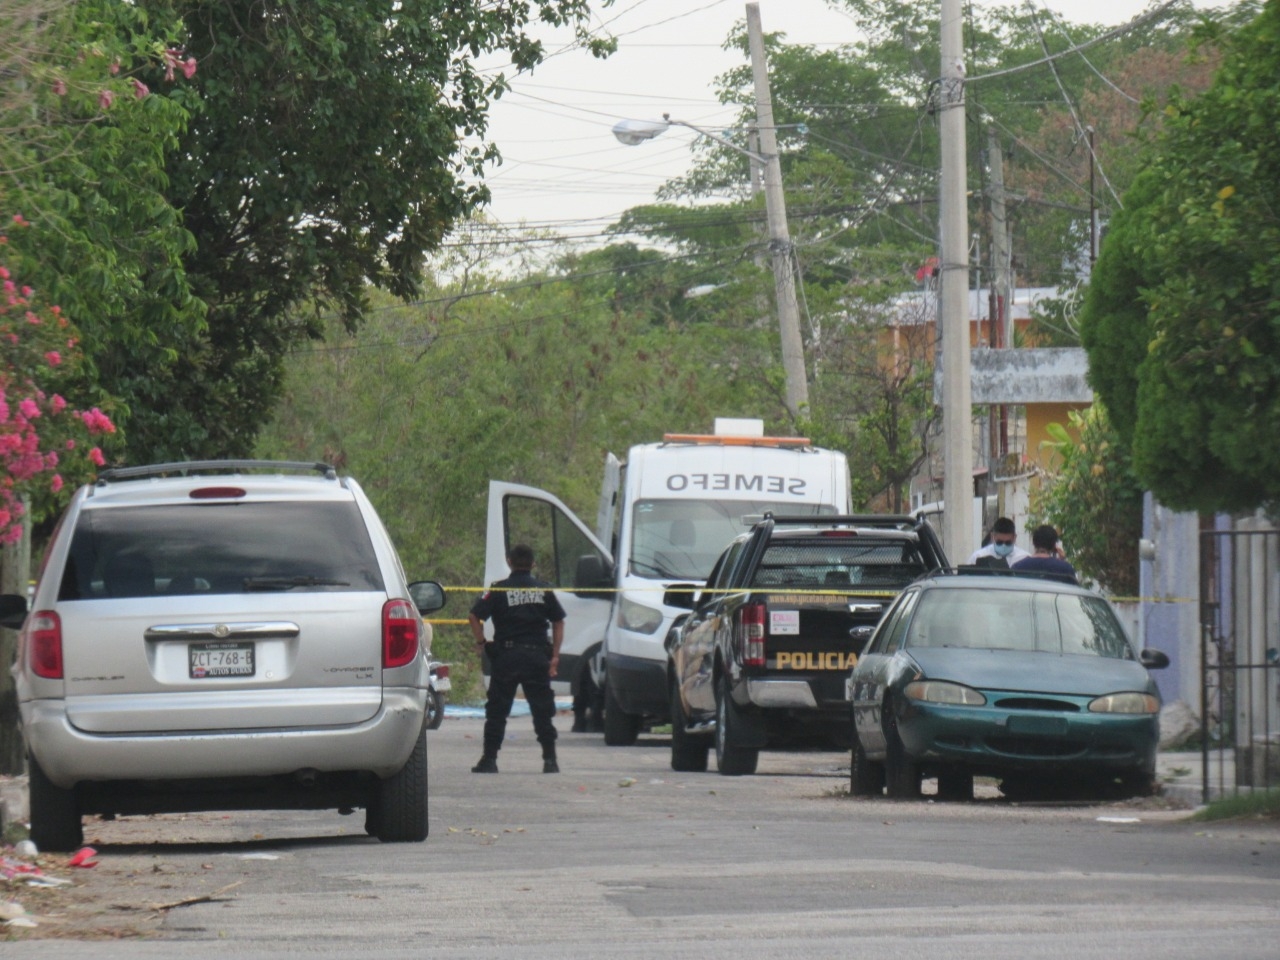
(681, 539)
(1018, 620)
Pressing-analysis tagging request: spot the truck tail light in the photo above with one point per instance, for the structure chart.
(442, 671)
(401, 633)
(752, 635)
(44, 641)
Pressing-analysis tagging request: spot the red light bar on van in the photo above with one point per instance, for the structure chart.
(216, 493)
(711, 438)
(838, 533)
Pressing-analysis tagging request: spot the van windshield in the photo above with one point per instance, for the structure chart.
(681, 539)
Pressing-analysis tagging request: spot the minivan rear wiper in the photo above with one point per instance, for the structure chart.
(288, 583)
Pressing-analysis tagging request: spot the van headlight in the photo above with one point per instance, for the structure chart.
(638, 617)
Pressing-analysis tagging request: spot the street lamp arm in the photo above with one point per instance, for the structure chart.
(725, 141)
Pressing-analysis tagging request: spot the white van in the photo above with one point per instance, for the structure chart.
(665, 516)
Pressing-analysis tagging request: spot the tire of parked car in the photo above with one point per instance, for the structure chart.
(55, 813)
(689, 752)
(399, 804)
(620, 728)
(901, 773)
(732, 759)
(866, 777)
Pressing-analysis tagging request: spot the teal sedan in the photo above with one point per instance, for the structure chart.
(1027, 680)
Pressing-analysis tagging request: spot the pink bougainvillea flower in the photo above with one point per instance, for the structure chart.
(55, 310)
(115, 68)
(58, 403)
(55, 484)
(20, 220)
(29, 408)
(60, 87)
(4, 273)
(96, 456)
(54, 358)
(105, 99)
(71, 444)
(97, 421)
(189, 67)
(140, 89)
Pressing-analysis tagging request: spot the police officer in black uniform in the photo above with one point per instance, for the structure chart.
(520, 655)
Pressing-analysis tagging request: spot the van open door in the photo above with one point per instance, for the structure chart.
(569, 557)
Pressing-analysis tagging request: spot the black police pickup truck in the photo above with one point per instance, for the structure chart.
(762, 657)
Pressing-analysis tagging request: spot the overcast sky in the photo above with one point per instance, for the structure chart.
(562, 167)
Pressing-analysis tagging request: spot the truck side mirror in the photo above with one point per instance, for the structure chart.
(591, 578)
(13, 611)
(427, 596)
(682, 595)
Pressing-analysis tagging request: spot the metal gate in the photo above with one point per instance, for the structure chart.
(1240, 659)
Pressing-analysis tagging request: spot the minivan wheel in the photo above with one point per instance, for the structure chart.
(400, 801)
(55, 813)
(620, 728)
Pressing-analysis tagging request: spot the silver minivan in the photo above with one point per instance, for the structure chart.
(222, 635)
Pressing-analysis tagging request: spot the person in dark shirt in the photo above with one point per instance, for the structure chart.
(1047, 559)
(520, 655)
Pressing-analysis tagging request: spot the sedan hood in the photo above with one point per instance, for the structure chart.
(1018, 670)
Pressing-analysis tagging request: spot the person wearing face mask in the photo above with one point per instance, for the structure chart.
(1002, 551)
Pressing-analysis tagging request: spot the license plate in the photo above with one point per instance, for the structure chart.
(209, 660)
(1038, 726)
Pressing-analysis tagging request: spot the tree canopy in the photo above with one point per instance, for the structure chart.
(1182, 320)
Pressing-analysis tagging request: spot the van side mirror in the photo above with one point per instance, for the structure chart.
(592, 578)
(13, 610)
(683, 596)
(1154, 659)
(427, 595)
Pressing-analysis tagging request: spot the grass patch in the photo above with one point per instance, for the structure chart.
(1259, 805)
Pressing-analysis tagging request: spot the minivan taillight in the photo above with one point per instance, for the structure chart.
(401, 633)
(44, 644)
(751, 636)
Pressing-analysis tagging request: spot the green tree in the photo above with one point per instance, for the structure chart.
(1094, 500)
(1181, 319)
(331, 145)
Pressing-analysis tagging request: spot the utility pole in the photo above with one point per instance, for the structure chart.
(1001, 284)
(957, 413)
(784, 279)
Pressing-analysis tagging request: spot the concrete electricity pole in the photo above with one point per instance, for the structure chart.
(784, 279)
(957, 422)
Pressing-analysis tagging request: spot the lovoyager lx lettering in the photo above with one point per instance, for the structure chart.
(830, 660)
(794, 486)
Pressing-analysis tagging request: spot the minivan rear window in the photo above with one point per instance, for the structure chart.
(221, 548)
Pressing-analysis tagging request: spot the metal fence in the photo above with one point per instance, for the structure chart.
(1240, 660)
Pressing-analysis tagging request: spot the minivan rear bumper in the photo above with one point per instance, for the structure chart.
(380, 745)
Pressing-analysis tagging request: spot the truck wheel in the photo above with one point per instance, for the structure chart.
(435, 709)
(901, 773)
(588, 706)
(399, 814)
(955, 784)
(688, 751)
(620, 728)
(732, 760)
(55, 813)
(866, 778)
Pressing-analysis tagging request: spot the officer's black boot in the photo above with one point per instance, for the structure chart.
(549, 764)
(487, 764)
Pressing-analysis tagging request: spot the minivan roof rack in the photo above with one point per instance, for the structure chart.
(186, 467)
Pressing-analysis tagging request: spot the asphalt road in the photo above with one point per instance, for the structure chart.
(618, 857)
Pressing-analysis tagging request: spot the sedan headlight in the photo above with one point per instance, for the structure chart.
(1125, 703)
(638, 617)
(942, 691)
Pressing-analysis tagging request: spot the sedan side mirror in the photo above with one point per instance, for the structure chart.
(1154, 659)
(427, 596)
(13, 611)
